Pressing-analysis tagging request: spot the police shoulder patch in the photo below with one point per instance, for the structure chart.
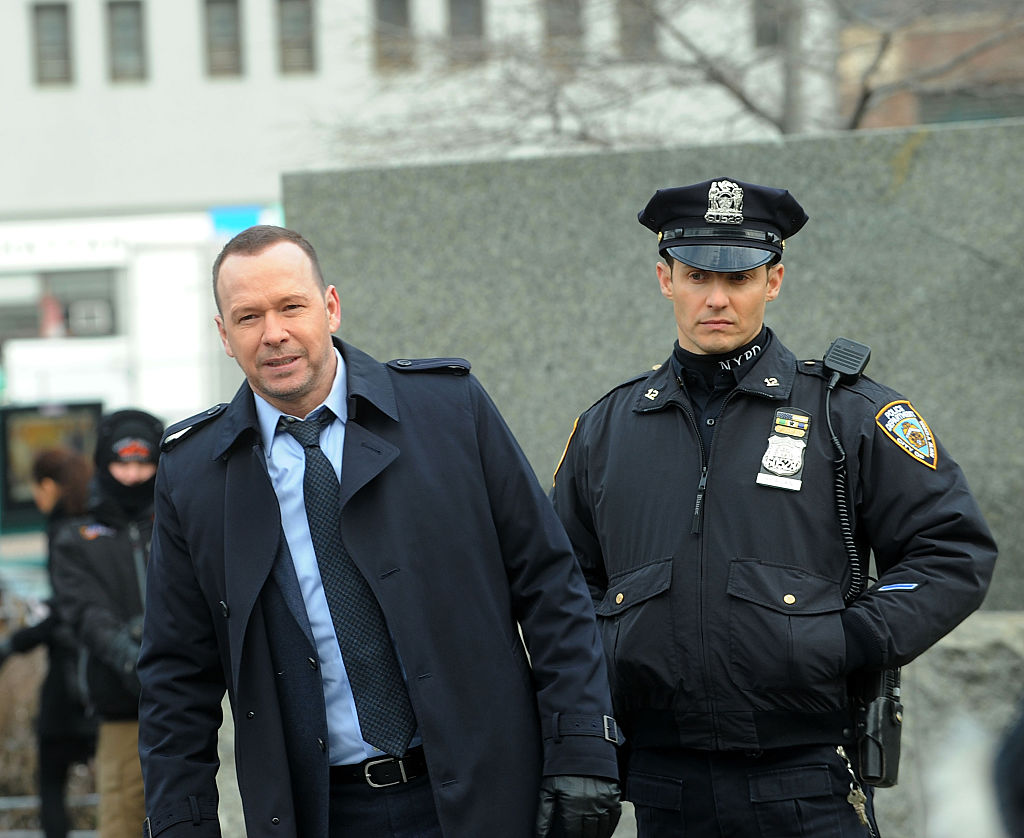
(452, 366)
(905, 426)
(178, 431)
(90, 532)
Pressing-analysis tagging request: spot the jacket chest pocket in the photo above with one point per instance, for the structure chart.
(785, 630)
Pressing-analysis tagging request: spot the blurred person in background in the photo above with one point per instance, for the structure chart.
(67, 736)
(1009, 779)
(99, 576)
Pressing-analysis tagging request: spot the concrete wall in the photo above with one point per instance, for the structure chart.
(538, 272)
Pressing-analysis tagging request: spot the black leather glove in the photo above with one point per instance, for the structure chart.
(5, 650)
(577, 807)
(123, 654)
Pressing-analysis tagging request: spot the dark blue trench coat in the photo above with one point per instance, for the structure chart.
(444, 516)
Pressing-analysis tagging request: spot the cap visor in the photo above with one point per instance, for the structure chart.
(721, 258)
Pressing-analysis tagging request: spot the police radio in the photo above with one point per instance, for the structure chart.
(875, 696)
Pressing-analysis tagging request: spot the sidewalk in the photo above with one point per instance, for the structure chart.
(30, 803)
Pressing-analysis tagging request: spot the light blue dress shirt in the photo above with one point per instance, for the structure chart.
(286, 463)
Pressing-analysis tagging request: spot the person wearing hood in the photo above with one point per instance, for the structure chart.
(98, 564)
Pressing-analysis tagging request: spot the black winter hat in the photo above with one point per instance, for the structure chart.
(128, 436)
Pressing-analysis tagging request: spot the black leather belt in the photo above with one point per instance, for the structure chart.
(381, 772)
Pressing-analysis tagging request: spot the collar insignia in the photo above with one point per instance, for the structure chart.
(904, 426)
(725, 203)
(771, 382)
(651, 394)
(782, 465)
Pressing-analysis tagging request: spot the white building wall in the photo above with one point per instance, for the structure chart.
(164, 358)
(178, 139)
(125, 174)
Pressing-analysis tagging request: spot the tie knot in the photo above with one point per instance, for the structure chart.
(307, 432)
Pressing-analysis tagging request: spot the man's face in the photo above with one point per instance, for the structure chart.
(276, 322)
(718, 312)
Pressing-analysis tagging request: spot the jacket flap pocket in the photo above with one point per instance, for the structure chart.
(788, 590)
(635, 587)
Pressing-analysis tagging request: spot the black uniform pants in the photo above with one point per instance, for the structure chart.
(400, 811)
(785, 793)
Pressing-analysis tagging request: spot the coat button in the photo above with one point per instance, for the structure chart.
(404, 362)
(224, 608)
(619, 598)
(312, 663)
(789, 599)
(250, 715)
(275, 821)
(322, 744)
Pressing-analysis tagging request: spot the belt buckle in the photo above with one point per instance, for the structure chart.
(371, 763)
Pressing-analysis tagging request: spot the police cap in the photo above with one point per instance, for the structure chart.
(723, 224)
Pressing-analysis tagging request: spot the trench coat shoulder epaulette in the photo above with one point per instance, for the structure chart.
(452, 366)
(179, 430)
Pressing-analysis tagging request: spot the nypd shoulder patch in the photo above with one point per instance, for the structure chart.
(905, 426)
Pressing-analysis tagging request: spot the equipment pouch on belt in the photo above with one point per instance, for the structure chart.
(879, 714)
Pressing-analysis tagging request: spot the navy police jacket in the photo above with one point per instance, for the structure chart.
(719, 575)
(446, 519)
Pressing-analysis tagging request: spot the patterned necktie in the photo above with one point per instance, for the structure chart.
(385, 714)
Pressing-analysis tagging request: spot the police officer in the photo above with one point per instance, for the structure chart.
(702, 497)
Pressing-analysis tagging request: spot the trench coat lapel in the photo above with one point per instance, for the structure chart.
(365, 456)
(252, 536)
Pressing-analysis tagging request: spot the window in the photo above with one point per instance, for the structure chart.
(962, 105)
(466, 31)
(563, 28)
(393, 36)
(57, 304)
(295, 36)
(126, 41)
(768, 23)
(223, 38)
(638, 39)
(52, 31)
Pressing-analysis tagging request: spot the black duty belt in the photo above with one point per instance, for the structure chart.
(381, 772)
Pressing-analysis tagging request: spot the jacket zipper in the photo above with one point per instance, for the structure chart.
(697, 528)
(698, 506)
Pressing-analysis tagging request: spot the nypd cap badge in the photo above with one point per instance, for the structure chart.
(725, 203)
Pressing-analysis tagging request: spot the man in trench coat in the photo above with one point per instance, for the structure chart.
(445, 519)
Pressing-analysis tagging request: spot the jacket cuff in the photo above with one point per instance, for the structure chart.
(581, 744)
(192, 817)
(862, 650)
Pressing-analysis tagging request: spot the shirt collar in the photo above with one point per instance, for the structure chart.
(337, 401)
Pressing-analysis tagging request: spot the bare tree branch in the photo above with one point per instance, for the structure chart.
(515, 95)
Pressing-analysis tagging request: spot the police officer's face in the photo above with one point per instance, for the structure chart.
(276, 322)
(718, 312)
